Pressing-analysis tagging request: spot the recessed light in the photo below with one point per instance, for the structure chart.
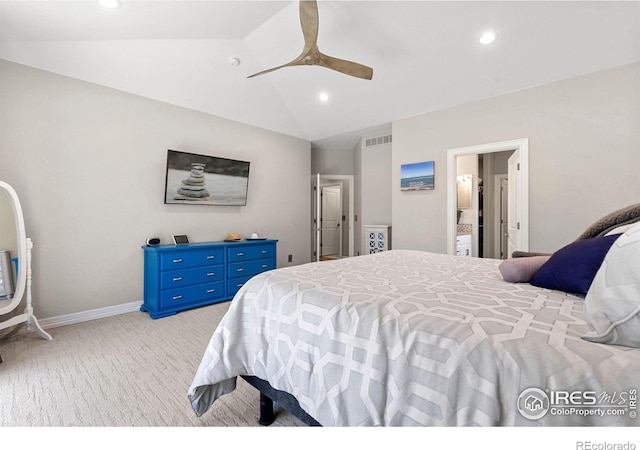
(487, 38)
(324, 97)
(111, 4)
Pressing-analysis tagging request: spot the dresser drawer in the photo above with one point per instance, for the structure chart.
(192, 258)
(251, 252)
(195, 275)
(241, 269)
(234, 285)
(191, 294)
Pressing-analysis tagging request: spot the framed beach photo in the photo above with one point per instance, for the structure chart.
(417, 176)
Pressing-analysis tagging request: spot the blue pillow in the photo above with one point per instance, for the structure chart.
(573, 267)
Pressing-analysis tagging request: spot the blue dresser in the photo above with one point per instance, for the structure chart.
(179, 277)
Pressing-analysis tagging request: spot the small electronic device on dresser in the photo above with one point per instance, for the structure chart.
(180, 239)
(189, 275)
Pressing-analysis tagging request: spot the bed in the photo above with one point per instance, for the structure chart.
(412, 338)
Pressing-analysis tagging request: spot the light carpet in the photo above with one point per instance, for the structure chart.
(123, 371)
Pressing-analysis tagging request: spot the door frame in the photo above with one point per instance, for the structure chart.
(497, 232)
(523, 197)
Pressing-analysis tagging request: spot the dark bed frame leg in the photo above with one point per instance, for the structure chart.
(266, 410)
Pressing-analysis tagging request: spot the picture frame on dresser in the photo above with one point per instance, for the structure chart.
(180, 239)
(181, 277)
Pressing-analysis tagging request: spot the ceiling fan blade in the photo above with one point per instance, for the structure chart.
(311, 56)
(347, 67)
(296, 62)
(309, 22)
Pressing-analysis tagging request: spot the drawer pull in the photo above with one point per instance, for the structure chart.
(240, 269)
(265, 251)
(211, 256)
(177, 297)
(177, 279)
(240, 285)
(239, 254)
(211, 274)
(179, 260)
(209, 291)
(264, 266)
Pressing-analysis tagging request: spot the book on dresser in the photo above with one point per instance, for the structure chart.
(179, 277)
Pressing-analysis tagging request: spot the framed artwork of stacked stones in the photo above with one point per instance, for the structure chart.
(205, 180)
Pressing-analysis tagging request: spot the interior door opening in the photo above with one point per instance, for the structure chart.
(332, 216)
(517, 197)
(492, 206)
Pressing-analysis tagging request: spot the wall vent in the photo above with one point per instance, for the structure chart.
(378, 141)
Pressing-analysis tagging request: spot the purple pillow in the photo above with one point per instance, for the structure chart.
(573, 267)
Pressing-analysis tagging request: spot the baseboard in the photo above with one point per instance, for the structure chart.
(85, 316)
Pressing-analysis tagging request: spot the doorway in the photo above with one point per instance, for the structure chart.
(493, 203)
(518, 196)
(332, 216)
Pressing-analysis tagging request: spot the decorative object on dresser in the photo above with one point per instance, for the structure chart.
(179, 277)
(233, 237)
(153, 241)
(378, 238)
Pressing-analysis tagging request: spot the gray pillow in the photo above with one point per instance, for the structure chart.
(623, 216)
(521, 270)
(612, 304)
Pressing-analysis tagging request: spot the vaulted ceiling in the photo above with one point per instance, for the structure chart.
(425, 55)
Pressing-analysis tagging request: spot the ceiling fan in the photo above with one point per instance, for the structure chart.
(311, 55)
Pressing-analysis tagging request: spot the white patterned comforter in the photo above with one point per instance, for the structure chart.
(414, 338)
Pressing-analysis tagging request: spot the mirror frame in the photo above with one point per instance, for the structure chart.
(21, 238)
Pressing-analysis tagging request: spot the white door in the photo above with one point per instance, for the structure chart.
(331, 216)
(514, 206)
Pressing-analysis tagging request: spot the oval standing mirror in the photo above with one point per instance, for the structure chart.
(15, 263)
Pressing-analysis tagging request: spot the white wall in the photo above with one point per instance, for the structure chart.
(584, 144)
(333, 162)
(88, 163)
(375, 188)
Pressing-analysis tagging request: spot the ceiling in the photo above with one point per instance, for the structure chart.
(425, 55)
